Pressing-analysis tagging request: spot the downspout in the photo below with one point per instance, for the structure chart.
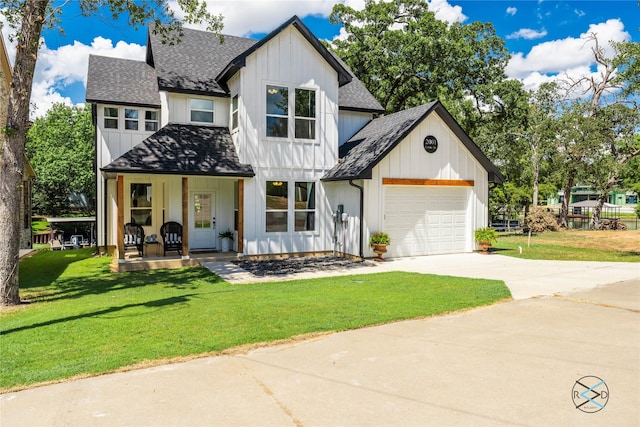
(104, 218)
(361, 215)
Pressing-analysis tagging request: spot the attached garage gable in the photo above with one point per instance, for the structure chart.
(424, 220)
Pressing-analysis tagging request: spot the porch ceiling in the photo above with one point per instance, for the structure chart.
(179, 149)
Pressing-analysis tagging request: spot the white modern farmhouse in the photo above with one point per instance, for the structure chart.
(277, 141)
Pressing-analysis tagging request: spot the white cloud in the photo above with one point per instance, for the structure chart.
(571, 56)
(527, 33)
(579, 12)
(446, 12)
(512, 11)
(58, 68)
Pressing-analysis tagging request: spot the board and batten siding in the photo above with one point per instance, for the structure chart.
(180, 109)
(111, 144)
(451, 161)
(350, 122)
(286, 60)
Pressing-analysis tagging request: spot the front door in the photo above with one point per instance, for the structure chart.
(202, 233)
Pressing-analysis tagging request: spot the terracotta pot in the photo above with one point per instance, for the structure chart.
(379, 250)
(485, 247)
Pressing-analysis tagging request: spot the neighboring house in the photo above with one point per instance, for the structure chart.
(28, 176)
(270, 139)
(580, 193)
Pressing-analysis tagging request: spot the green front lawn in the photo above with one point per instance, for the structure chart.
(85, 320)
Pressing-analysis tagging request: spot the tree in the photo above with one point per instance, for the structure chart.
(61, 150)
(406, 57)
(611, 104)
(29, 17)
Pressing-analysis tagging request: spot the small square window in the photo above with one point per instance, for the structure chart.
(110, 118)
(130, 119)
(201, 110)
(151, 121)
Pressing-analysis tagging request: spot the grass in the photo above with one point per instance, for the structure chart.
(574, 245)
(84, 320)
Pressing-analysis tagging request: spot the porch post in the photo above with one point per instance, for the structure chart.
(185, 217)
(120, 203)
(240, 216)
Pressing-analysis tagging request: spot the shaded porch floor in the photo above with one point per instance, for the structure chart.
(154, 261)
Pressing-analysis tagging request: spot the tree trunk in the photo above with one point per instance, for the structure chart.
(563, 219)
(12, 160)
(536, 178)
(597, 211)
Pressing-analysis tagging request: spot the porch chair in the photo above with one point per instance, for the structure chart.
(134, 237)
(171, 233)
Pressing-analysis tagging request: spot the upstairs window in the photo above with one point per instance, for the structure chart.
(110, 118)
(277, 111)
(151, 121)
(234, 112)
(305, 114)
(130, 119)
(201, 110)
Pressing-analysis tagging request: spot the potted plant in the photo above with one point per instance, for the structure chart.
(379, 241)
(227, 238)
(485, 237)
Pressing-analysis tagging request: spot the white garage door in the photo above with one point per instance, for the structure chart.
(425, 220)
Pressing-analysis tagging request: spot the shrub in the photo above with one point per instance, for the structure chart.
(379, 238)
(539, 220)
(486, 234)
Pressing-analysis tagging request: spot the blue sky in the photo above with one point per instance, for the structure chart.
(543, 36)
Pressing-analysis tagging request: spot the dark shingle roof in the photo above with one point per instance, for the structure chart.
(121, 81)
(192, 65)
(363, 151)
(355, 96)
(184, 150)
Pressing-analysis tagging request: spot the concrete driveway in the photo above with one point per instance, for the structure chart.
(514, 363)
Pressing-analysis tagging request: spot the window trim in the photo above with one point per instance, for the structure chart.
(156, 120)
(149, 188)
(116, 117)
(285, 211)
(212, 111)
(235, 119)
(135, 120)
(313, 118)
(306, 210)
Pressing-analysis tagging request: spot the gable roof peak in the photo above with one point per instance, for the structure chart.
(344, 76)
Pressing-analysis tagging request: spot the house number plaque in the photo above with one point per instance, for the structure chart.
(430, 144)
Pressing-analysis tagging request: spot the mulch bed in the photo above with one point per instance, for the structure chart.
(286, 266)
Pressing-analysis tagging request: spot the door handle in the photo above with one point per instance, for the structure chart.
(213, 222)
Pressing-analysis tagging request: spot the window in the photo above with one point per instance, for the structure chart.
(141, 205)
(277, 111)
(110, 118)
(305, 206)
(130, 119)
(202, 110)
(151, 121)
(234, 112)
(305, 114)
(277, 206)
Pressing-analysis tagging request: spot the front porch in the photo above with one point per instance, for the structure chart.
(156, 261)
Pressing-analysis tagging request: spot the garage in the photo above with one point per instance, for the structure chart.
(423, 220)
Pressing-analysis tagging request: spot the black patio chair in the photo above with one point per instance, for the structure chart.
(134, 237)
(171, 233)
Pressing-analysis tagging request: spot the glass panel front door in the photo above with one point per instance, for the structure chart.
(203, 223)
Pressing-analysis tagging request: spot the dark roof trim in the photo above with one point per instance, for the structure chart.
(362, 110)
(194, 92)
(127, 104)
(156, 172)
(239, 61)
